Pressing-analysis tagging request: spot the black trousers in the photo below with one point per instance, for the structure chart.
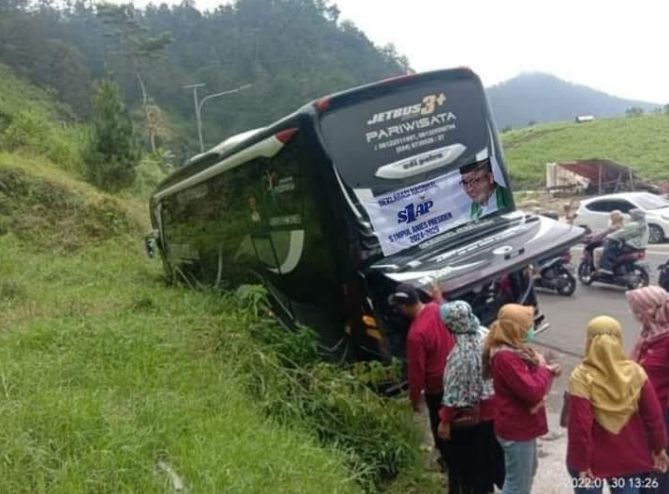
(433, 402)
(611, 252)
(475, 460)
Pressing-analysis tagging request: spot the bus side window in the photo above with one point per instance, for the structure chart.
(255, 246)
(236, 242)
(179, 226)
(304, 260)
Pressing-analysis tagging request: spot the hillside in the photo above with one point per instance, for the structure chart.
(107, 373)
(538, 97)
(289, 51)
(114, 382)
(639, 142)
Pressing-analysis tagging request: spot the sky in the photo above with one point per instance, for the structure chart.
(617, 46)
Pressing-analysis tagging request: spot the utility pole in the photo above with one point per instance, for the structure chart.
(199, 104)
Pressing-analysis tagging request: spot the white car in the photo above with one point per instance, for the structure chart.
(593, 214)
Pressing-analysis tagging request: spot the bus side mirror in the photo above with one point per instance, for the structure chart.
(150, 244)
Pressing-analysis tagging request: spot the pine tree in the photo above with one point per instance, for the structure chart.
(138, 46)
(113, 152)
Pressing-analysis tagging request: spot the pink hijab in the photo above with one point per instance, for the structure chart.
(650, 305)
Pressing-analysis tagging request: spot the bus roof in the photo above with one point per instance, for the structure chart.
(220, 148)
(239, 142)
(389, 84)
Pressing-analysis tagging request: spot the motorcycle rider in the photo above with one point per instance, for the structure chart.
(596, 242)
(630, 238)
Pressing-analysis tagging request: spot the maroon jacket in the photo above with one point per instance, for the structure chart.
(519, 386)
(654, 359)
(609, 455)
(428, 346)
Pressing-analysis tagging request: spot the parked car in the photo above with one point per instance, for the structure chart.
(593, 214)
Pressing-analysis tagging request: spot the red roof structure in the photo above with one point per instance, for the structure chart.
(606, 176)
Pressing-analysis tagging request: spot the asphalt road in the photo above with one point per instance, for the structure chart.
(569, 316)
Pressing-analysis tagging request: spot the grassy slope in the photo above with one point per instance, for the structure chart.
(104, 372)
(33, 123)
(16, 95)
(640, 142)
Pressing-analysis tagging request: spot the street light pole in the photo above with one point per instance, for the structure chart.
(194, 87)
(200, 104)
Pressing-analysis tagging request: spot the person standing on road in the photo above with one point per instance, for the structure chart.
(474, 457)
(615, 427)
(521, 379)
(650, 305)
(427, 347)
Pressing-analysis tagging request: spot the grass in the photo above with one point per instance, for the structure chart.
(104, 372)
(640, 142)
(109, 379)
(18, 95)
(36, 128)
(44, 209)
(33, 123)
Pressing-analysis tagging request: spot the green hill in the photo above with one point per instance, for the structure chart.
(541, 98)
(111, 381)
(639, 142)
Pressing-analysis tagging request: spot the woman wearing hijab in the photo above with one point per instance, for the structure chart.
(521, 380)
(615, 427)
(475, 458)
(650, 306)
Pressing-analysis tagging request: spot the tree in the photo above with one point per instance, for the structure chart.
(113, 153)
(634, 111)
(59, 67)
(138, 46)
(666, 109)
(292, 51)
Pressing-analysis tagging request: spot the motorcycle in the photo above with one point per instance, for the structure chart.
(629, 270)
(555, 273)
(663, 279)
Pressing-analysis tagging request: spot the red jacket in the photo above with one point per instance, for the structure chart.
(654, 359)
(428, 346)
(590, 446)
(519, 386)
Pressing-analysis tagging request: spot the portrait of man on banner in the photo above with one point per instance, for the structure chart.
(487, 195)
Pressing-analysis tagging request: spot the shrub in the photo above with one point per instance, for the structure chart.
(150, 172)
(30, 130)
(289, 382)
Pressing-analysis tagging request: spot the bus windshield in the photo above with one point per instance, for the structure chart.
(420, 160)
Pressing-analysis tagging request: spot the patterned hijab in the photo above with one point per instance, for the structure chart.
(650, 305)
(606, 377)
(464, 385)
